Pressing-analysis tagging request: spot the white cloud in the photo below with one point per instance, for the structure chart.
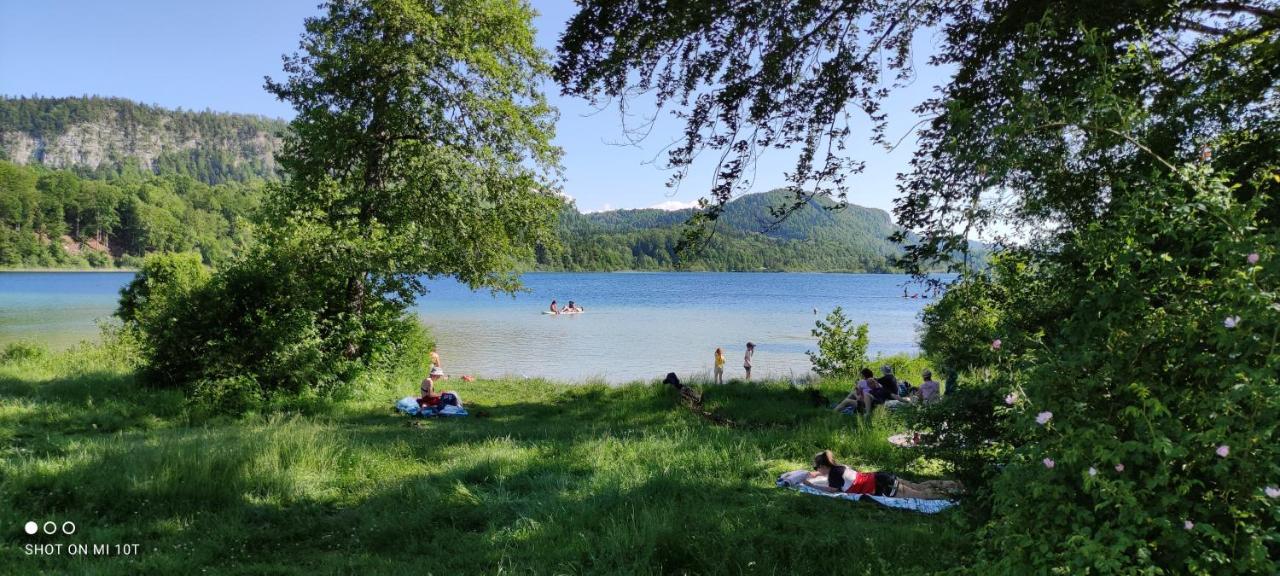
(607, 207)
(671, 205)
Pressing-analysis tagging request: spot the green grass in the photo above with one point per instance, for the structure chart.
(543, 478)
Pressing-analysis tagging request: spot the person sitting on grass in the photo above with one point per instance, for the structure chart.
(844, 479)
(429, 397)
(858, 395)
(929, 390)
(885, 388)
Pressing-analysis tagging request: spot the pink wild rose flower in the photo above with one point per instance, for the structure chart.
(1049, 463)
(1252, 258)
(1223, 450)
(1044, 417)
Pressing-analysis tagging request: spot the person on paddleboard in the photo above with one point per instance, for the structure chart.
(554, 309)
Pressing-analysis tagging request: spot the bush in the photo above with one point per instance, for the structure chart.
(842, 349)
(231, 395)
(1129, 420)
(264, 318)
(22, 350)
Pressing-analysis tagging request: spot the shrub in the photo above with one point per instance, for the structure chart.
(230, 395)
(22, 350)
(1129, 420)
(842, 348)
(264, 318)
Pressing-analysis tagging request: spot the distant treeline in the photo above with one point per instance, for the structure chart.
(58, 219)
(61, 219)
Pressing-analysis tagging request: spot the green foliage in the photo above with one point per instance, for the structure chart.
(46, 216)
(159, 289)
(842, 348)
(435, 164)
(230, 395)
(1141, 334)
(21, 351)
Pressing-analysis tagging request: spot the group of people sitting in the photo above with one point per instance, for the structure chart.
(569, 308)
(870, 392)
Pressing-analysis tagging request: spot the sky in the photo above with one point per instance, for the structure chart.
(214, 55)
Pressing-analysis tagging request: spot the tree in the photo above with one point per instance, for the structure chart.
(842, 348)
(421, 146)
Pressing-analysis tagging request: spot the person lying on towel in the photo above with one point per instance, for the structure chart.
(842, 478)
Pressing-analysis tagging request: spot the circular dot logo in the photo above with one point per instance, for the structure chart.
(32, 527)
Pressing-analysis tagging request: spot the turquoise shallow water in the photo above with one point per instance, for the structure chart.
(637, 325)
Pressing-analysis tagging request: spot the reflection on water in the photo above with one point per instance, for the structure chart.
(637, 326)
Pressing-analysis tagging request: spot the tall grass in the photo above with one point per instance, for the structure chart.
(543, 478)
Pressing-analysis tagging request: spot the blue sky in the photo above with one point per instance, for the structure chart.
(214, 55)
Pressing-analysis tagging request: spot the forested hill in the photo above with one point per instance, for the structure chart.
(107, 137)
(854, 239)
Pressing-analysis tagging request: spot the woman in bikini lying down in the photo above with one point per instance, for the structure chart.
(842, 478)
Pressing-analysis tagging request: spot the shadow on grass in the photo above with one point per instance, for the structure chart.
(568, 480)
(293, 497)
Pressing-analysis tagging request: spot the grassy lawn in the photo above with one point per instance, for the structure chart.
(543, 478)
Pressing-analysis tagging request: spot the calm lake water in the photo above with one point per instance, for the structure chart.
(637, 325)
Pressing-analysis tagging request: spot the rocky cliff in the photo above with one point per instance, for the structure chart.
(111, 134)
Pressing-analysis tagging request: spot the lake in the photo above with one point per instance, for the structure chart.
(636, 326)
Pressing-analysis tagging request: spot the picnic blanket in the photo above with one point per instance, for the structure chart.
(409, 405)
(792, 480)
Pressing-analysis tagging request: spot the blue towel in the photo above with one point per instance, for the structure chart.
(408, 405)
(915, 504)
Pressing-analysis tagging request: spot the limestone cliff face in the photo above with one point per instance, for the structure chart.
(114, 133)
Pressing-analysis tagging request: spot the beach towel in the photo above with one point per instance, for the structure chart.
(409, 405)
(794, 481)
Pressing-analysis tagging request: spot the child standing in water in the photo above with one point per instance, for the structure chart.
(746, 360)
(719, 366)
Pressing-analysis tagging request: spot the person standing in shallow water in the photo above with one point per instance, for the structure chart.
(746, 359)
(719, 373)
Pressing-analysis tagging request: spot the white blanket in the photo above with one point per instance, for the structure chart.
(793, 479)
